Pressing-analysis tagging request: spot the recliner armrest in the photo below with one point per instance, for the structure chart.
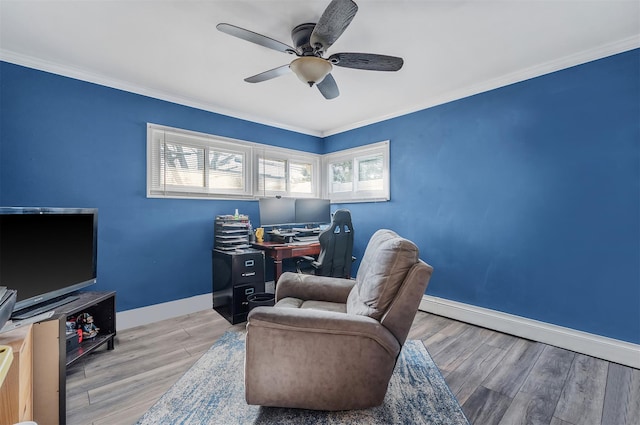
(311, 287)
(322, 322)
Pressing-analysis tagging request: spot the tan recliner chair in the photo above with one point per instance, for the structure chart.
(332, 343)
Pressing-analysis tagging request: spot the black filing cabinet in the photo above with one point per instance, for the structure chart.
(236, 275)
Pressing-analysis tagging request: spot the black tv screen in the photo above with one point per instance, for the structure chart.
(277, 211)
(313, 211)
(47, 252)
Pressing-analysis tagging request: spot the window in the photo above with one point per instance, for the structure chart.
(272, 176)
(359, 174)
(341, 176)
(286, 172)
(185, 164)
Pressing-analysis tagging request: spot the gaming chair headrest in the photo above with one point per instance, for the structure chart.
(342, 217)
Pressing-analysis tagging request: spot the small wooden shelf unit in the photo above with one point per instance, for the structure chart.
(41, 360)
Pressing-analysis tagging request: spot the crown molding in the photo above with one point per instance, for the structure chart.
(505, 80)
(580, 58)
(102, 80)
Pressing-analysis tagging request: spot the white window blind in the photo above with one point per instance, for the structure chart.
(272, 175)
(358, 174)
(187, 164)
(193, 165)
(283, 172)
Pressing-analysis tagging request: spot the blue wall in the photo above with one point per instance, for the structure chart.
(69, 143)
(525, 199)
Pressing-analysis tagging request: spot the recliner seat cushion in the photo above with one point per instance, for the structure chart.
(291, 302)
(385, 264)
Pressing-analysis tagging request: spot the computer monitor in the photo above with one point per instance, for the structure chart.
(313, 211)
(277, 211)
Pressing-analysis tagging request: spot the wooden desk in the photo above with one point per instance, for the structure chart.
(279, 252)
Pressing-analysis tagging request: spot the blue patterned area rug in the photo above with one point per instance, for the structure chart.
(212, 392)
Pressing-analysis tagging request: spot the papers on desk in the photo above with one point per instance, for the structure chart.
(306, 230)
(306, 239)
(284, 232)
(235, 224)
(232, 242)
(233, 247)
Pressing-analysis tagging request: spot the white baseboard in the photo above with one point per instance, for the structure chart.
(154, 313)
(610, 349)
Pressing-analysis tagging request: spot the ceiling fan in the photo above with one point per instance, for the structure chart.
(311, 42)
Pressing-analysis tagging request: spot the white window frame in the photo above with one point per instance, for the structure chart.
(159, 134)
(288, 156)
(355, 155)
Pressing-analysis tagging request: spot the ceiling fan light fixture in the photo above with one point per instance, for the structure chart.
(311, 69)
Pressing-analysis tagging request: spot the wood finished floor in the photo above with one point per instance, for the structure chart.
(497, 378)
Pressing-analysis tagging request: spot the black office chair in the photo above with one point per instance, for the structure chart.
(336, 248)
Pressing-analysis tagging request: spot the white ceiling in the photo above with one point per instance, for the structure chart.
(171, 50)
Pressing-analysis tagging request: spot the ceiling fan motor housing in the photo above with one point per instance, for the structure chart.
(300, 36)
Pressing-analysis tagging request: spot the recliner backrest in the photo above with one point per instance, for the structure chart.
(402, 310)
(384, 267)
(336, 246)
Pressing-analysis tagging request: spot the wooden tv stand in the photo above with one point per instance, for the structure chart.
(49, 353)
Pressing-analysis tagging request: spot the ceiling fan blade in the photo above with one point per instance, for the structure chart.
(367, 61)
(254, 37)
(328, 87)
(334, 20)
(267, 75)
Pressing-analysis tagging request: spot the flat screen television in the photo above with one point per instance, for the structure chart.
(277, 211)
(47, 253)
(313, 211)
